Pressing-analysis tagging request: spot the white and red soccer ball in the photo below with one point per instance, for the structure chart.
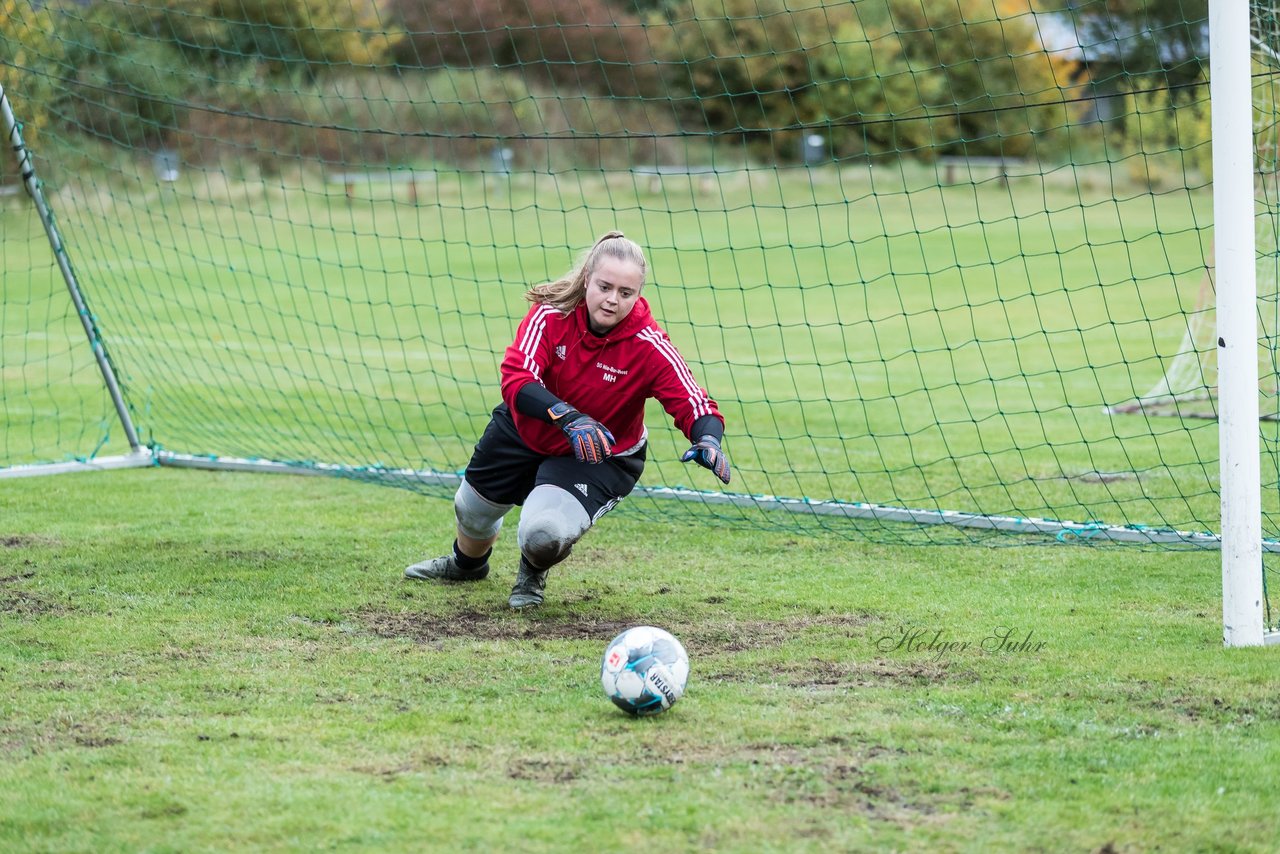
(644, 670)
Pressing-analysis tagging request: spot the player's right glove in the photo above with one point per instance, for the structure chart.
(591, 441)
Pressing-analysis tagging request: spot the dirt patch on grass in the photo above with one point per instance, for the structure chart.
(27, 605)
(257, 558)
(1234, 711)
(1194, 700)
(477, 625)
(23, 603)
(25, 541)
(163, 809)
(851, 781)
(818, 674)
(844, 774)
(704, 636)
(544, 770)
(390, 772)
(742, 635)
(58, 732)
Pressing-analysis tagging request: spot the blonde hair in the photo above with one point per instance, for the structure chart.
(566, 292)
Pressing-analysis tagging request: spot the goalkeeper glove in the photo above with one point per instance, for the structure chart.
(591, 441)
(707, 453)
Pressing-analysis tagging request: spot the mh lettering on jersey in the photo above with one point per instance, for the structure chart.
(611, 373)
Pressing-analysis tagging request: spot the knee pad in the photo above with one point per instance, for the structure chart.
(478, 517)
(551, 522)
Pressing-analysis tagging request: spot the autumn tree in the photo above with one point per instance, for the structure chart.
(30, 60)
(748, 66)
(886, 75)
(982, 72)
(579, 45)
(284, 34)
(134, 68)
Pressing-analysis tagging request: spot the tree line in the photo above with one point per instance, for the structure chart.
(648, 79)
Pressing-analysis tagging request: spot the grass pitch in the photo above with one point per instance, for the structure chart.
(197, 661)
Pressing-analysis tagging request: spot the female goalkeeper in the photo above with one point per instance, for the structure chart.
(568, 441)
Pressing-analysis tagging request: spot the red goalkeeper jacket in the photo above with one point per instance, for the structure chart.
(608, 378)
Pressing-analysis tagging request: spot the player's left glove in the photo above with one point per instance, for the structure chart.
(707, 453)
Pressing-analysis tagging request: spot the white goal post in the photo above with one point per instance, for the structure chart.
(1235, 278)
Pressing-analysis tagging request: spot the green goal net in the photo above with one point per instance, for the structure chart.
(938, 262)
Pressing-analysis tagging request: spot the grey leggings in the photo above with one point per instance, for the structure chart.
(550, 523)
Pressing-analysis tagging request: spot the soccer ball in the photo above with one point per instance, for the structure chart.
(644, 670)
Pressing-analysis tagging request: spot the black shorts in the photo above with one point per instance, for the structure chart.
(504, 470)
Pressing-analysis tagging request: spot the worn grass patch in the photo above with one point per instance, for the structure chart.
(17, 602)
(709, 635)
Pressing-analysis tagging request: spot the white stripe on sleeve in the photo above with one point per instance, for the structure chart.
(532, 338)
